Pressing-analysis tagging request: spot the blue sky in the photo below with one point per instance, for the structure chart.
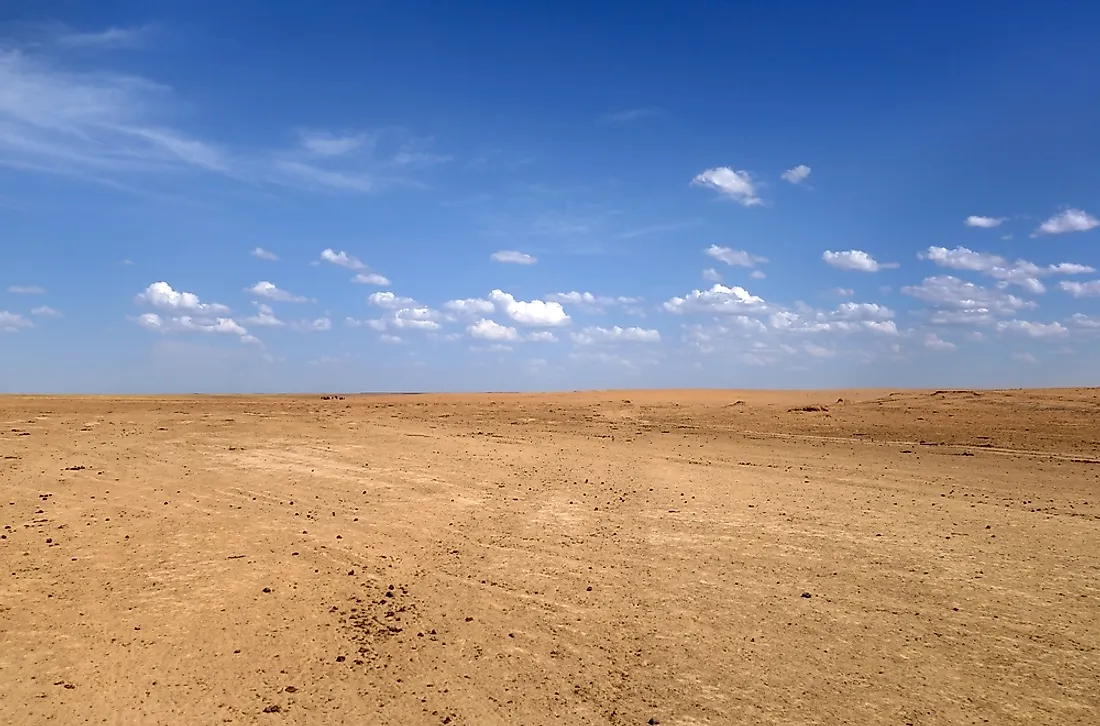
(283, 196)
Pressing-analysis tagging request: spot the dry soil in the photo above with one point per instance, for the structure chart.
(679, 557)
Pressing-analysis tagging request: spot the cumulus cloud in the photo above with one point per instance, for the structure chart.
(311, 326)
(513, 257)
(161, 295)
(342, 259)
(470, 307)
(984, 222)
(535, 313)
(592, 303)
(262, 254)
(594, 334)
(1021, 272)
(13, 322)
(45, 311)
(712, 275)
(418, 318)
(265, 317)
(855, 260)
(843, 291)
(26, 290)
(1081, 289)
(1081, 320)
(269, 291)
(371, 278)
(718, 299)
(1034, 330)
(958, 302)
(186, 323)
(797, 175)
(737, 258)
(486, 329)
(737, 185)
(1069, 220)
(934, 342)
(542, 336)
(389, 301)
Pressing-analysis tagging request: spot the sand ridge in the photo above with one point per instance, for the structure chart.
(612, 557)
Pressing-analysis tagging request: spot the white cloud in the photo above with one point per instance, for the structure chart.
(843, 291)
(13, 322)
(420, 318)
(738, 258)
(736, 185)
(45, 311)
(265, 317)
(797, 175)
(957, 302)
(934, 342)
(542, 336)
(1024, 357)
(388, 338)
(486, 329)
(818, 351)
(470, 307)
(262, 254)
(269, 291)
(1069, 220)
(327, 143)
(592, 303)
(1081, 320)
(712, 275)
(536, 313)
(161, 295)
(847, 318)
(983, 222)
(513, 257)
(110, 128)
(1021, 272)
(855, 260)
(371, 278)
(389, 301)
(1081, 289)
(342, 259)
(594, 334)
(757, 275)
(1035, 330)
(26, 290)
(189, 324)
(734, 300)
(109, 39)
(310, 326)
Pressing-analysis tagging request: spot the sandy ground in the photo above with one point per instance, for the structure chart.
(687, 557)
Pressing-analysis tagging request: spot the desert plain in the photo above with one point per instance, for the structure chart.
(625, 557)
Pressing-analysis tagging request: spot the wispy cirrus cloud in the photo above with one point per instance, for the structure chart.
(99, 125)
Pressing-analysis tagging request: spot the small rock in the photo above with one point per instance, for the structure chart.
(290, 689)
(267, 589)
(340, 659)
(806, 594)
(273, 709)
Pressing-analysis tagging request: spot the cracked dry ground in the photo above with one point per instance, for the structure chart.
(682, 557)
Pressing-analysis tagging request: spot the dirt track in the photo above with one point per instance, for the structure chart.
(604, 558)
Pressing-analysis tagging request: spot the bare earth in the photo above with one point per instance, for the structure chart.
(682, 557)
